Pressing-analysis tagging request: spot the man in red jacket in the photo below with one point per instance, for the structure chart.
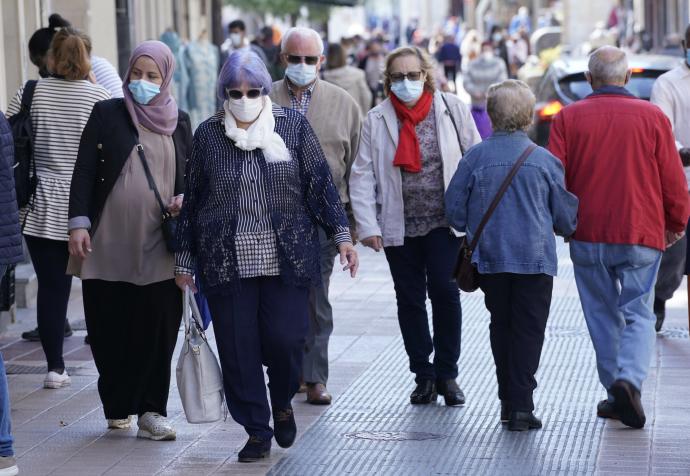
(621, 161)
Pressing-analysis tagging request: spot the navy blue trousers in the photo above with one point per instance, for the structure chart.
(425, 265)
(264, 323)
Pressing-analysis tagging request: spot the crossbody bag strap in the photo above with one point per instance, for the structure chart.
(455, 126)
(152, 183)
(499, 194)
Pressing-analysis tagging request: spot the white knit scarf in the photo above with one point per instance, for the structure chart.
(260, 135)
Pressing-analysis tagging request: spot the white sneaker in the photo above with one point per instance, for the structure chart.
(8, 466)
(56, 380)
(120, 423)
(155, 427)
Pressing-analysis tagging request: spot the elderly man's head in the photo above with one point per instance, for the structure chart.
(302, 51)
(608, 66)
(510, 105)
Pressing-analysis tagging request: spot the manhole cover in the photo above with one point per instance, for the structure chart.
(394, 435)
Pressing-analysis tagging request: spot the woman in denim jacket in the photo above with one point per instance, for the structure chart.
(516, 255)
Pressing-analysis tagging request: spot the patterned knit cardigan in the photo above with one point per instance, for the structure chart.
(300, 195)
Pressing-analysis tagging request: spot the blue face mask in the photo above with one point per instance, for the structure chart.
(143, 91)
(408, 91)
(301, 74)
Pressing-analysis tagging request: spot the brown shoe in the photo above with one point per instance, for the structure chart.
(628, 403)
(606, 409)
(302, 387)
(317, 394)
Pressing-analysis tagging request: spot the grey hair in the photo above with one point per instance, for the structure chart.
(608, 65)
(510, 105)
(303, 32)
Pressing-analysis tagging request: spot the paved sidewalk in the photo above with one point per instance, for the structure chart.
(371, 428)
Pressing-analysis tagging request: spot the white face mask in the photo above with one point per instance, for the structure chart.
(245, 109)
(236, 39)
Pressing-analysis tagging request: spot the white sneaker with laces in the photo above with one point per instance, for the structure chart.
(155, 427)
(56, 380)
(120, 423)
(8, 466)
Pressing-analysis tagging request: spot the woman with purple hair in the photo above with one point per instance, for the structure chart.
(132, 149)
(258, 185)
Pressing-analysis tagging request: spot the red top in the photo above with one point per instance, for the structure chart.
(621, 161)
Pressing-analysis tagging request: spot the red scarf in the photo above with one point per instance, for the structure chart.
(408, 155)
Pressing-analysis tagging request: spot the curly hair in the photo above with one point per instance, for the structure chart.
(425, 62)
(69, 54)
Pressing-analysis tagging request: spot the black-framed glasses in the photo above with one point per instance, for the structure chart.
(295, 59)
(410, 75)
(237, 94)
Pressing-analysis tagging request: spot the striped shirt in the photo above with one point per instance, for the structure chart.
(59, 112)
(301, 105)
(106, 76)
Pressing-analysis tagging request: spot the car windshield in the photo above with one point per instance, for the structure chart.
(576, 86)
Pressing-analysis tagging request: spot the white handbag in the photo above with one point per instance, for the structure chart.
(199, 378)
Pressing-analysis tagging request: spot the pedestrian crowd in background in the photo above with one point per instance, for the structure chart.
(299, 153)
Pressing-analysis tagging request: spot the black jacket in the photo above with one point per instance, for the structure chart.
(10, 235)
(106, 143)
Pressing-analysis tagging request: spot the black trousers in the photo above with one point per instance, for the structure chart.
(50, 258)
(132, 331)
(519, 306)
(265, 322)
(425, 264)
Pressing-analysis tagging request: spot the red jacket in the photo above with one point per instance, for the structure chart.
(621, 161)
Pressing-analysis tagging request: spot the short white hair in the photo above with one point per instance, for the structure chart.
(608, 65)
(304, 33)
(510, 105)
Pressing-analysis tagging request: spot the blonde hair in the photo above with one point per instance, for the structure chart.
(510, 105)
(425, 63)
(69, 54)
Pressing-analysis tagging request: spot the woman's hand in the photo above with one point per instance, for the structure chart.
(186, 280)
(373, 242)
(79, 243)
(175, 205)
(348, 258)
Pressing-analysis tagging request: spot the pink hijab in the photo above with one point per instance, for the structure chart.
(160, 115)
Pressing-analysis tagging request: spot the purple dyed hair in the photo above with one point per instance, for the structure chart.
(243, 66)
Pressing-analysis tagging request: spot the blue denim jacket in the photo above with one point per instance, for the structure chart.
(519, 237)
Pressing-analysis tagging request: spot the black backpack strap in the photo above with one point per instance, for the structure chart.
(28, 94)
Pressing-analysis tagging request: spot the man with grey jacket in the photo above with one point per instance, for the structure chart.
(336, 120)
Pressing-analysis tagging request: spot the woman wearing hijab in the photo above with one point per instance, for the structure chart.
(132, 306)
(258, 185)
(407, 155)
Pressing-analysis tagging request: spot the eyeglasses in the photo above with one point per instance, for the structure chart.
(237, 94)
(310, 60)
(412, 76)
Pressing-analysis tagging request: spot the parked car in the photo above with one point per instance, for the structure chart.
(564, 83)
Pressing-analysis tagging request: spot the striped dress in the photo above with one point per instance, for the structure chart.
(59, 112)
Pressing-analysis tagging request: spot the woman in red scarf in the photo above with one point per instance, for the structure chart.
(409, 151)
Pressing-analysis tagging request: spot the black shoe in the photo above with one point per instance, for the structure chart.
(451, 392)
(660, 313)
(424, 393)
(523, 421)
(254, 450)
(505, 412)
(284, 427)
(606, 409)
(86, 340)
(628, 404)
(33, 336)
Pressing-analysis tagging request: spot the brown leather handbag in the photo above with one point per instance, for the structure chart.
(466, 274)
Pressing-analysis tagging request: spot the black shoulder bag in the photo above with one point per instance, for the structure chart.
(25, 177)
(169, 224)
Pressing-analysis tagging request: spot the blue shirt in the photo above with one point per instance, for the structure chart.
(296, 196)
(519, 237)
